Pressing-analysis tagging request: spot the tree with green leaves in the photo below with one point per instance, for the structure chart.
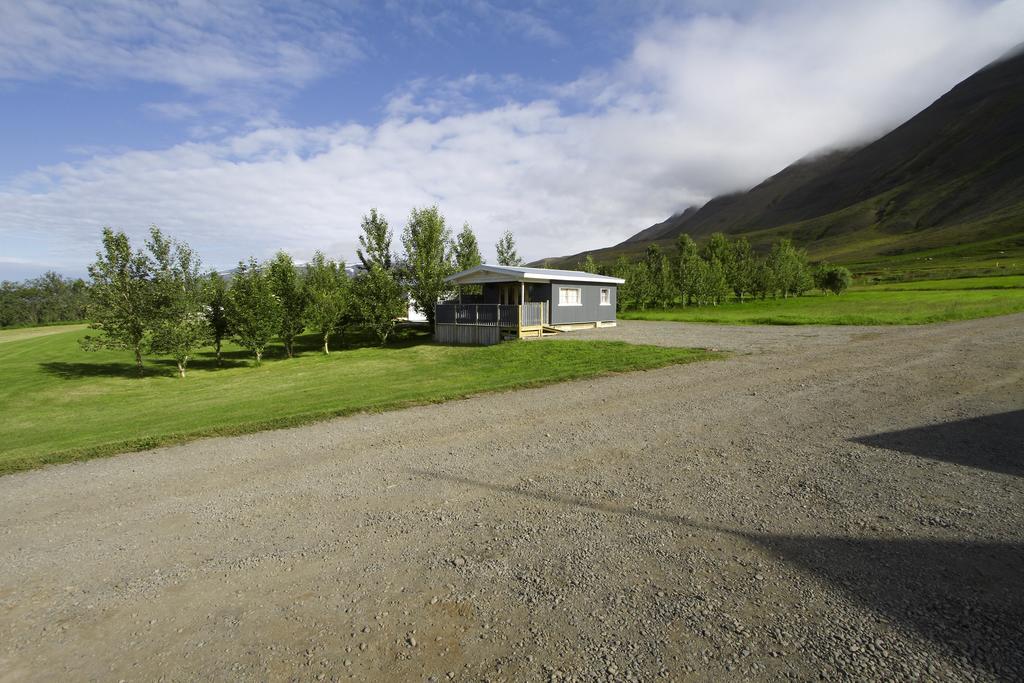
(790, 272)
(467, 255)
(718, 254)
(289, 290)
(698, 282)
(689, 269)
(379, 301)
(467, 250)
(49, 298)
(716, 285)
(328, 289)
(831, 278)
(740, 268)
(375, 242)
(659, 272)
(587, 265)
(717, 247)
(664, 283)
(428, 259)
(506, 250)
(762, 282)
(626, 296)
(121, 297)
(216, 310)
(179, 323)
(839, 279)
(644, 292)
(804, 281)
(782, 266)
(254, 312)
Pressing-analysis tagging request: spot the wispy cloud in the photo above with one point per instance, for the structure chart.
(218, 54)
(518, 20)
(449, 19)
(436, 97)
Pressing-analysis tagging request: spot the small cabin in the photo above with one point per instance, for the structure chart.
(496, 302)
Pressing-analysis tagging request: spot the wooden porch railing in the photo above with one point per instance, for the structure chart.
(508, 316)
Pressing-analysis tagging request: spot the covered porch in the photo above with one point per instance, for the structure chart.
(461, 323)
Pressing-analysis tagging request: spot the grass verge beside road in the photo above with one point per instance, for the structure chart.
(909, 303)
(60, 403)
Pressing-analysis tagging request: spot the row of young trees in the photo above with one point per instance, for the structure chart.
(720, 270)
(50, 298)
(159, 300)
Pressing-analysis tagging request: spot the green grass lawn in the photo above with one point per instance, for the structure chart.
(60, 403)
(908, 303)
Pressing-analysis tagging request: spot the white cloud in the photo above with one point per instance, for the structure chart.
(701, 106)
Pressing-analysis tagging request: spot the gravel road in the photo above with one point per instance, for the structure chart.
(839, 503)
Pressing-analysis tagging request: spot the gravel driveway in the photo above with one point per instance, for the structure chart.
(827, 502)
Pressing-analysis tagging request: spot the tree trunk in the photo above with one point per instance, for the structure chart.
(138, 360)
(288, 348)
(259, 356)
(216, 345)
(327, 338)
(181, 368)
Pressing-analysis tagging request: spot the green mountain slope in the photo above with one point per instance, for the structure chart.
(946, 186)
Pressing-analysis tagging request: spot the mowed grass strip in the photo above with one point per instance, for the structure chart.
(992, 282)
(19, 333)
(880, 305)
(60, 403)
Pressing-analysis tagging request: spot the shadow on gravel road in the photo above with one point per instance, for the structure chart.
(968, 597)
(993, 442)
(965, 596)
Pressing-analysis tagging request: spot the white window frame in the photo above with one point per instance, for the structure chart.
(579, 296)
(606, 296)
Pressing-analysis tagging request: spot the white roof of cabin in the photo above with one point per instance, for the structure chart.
(489, 273)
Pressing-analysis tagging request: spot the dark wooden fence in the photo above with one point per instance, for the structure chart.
(482, 323)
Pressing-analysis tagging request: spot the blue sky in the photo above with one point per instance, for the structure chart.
(52, 116)
(249, 127)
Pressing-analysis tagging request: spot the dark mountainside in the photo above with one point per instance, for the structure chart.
(950, 177)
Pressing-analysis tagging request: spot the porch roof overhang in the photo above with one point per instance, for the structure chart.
(487, 273)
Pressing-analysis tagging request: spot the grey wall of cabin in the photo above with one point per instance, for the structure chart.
(590, 311)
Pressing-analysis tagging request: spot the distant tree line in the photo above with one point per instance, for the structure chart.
(50, 298)
(159, 300)
(720, 271)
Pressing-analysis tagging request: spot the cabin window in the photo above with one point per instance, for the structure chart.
(570, 296)
(606, 296)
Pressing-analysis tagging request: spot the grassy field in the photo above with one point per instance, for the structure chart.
(60, 403)
(993, 246)
(905, 303)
